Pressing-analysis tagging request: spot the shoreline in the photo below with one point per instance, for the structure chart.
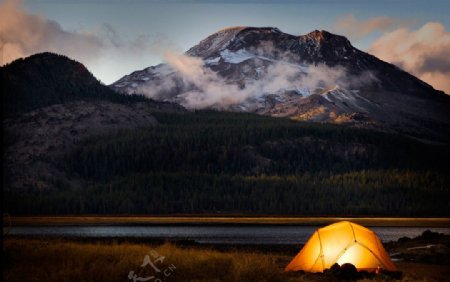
(182, 243)
(220, 221)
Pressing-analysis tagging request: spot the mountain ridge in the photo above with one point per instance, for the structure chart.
(45, 79)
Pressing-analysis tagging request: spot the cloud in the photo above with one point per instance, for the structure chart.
(23, 34)
(424, 52)
(355, 28)
(208, 88)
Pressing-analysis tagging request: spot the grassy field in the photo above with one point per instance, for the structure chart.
(142, 220)
(64, 260)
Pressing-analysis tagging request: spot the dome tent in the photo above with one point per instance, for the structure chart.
(342, 242)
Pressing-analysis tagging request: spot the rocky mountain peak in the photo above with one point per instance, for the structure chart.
(322, 35)
(233, 37)
(326, 39)
(318, 35)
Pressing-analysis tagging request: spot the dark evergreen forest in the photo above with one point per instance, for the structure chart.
(210, 162)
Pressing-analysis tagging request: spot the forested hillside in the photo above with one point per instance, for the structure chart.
(46, 79)
(212, 162)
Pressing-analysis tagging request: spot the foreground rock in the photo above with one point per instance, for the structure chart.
(430, 247)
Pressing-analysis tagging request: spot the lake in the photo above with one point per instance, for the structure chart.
(270, 234)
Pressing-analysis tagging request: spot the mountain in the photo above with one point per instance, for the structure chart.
(319, 76)
(46, 79)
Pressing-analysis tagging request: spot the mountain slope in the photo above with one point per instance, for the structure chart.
(317, 77)
(46, 79)
(50, 104)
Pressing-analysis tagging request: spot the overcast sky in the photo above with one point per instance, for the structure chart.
(114, 38)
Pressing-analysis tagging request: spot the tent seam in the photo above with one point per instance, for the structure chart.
(321, 250)
(353, 231)
(367, 248)
(315, 261)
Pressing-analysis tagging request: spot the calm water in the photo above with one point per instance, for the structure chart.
(212, 234)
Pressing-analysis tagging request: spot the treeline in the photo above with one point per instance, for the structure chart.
(374, 192)
(212, 162)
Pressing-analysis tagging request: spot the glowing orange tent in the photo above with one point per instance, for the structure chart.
(342, 242)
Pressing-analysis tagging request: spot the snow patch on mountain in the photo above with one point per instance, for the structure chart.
(236, 57)
(212, 61)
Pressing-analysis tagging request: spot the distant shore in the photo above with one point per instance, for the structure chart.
(218, 220)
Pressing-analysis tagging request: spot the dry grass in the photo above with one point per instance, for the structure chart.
(59, 260)
(55, 260)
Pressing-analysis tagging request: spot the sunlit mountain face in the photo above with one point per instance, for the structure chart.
(319, 76)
